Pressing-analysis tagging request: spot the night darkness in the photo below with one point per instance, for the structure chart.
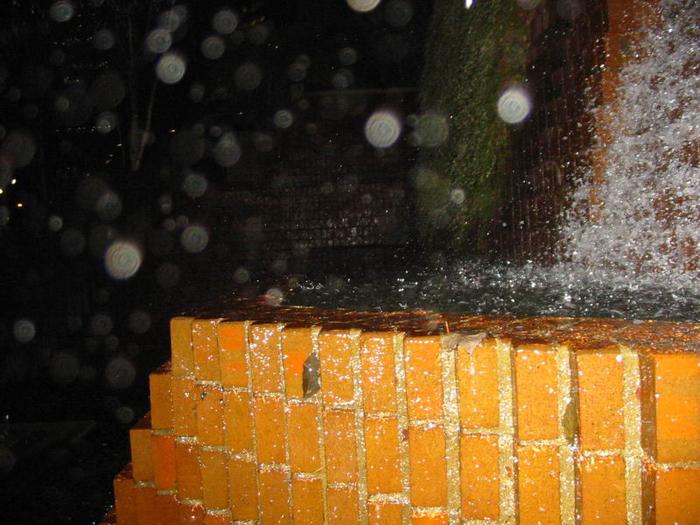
(125, 126)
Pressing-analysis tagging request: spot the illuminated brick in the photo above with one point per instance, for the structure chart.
(164, 462)
(385, 513)
(125, 497)
(341, 449)
(378, 377)
(479, 475)
(342, 506)
(243, 490)
(602, 481)
(205, 346)
(428, 469)
(382, 444)
(307, 498)
(435, 518)
(336, 353)
(188, 470)
(536, 392)
(538, 484)
(265, 362)
(601, 405)
(269, 430)
(296, 348)
(141, 451)
(423, 377)
(210, 415)
(238, 421)
(214, 479)
(232, 354)
(184, 393)
(161, 399)
(181, 346)
(678, 496)
(477, 375)
(274, 498)
(303, 435)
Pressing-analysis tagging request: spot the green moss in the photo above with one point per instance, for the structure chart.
(472, 55)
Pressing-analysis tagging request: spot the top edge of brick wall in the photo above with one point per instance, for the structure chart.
(575, 333)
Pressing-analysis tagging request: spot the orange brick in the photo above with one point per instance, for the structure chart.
(336, 353)
(210, 415)
(342, 506)
(601, 405)
(191, 514)
(479, 475)
(385, 513)
(307, 500)
(184, 406)
(125, 497)
(269, 430)
(341, 450)
(274, 498)
(220, 518)
(436, 518)
(141, 451)
(536, 392)
(602, 482)
(678, 496)
(265, 365)
(428, 468)
(147, 511)
(161, 399)
(538, 484)
(205, 346)
(187, 468)
(238, 422)
(477, 375)
(243, 490)
(214, 479)
(182, 356)
(168, 511)
(232, 354)
(383, 459)
(423, 377)
(164, 462)
(677, 388)
(296, 347)
(378, 377)
(304, 453)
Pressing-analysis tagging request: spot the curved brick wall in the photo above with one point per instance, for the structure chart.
(420, 418)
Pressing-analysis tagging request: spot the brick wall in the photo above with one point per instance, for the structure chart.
(299, 415)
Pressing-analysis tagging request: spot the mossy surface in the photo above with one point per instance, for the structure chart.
(472, 55)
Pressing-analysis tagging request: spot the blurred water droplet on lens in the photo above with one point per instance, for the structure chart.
(432, 130)
(457, 196)
(64, 368)
(194, 185)
(171, 67)
(170, 20)
(24, 330)
(124, 414)
(194, 238)
(398, 13)
(283, 119)
(382, 129)
(105, 122)
(347, 56)
(19, 149)
(109, 206)
(274, 296)
(139, 322)
(120, 373)
(61, 11)
(213, 47)
(363, 6)
(513, 105)
(123, 259)
(167, 275)
(225, 22)
(103, 40)
(159, 41)
(101, 324)
(248, 76)
(196, 92)
(165, 204)
(55, 223)
(296, 72)
(241, 275)
(72, 242)
(111, 342)
(227, 151)
(343, 79)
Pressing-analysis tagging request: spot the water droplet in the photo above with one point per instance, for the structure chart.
(123, 259)
(24, 330)
(62, 11)
(159, 41)
(382, 129)
(513, 105)
(194, 238)
(225, 22)
(171, 68)
(363, 6)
